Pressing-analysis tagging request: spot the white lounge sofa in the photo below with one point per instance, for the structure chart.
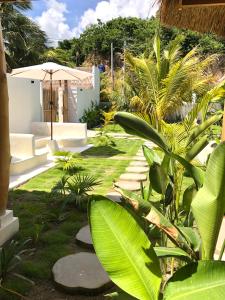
(66, 134)
(23, 154)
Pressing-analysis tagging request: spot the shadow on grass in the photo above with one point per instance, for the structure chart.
(103, 151)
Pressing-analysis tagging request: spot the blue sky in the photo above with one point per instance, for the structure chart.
(76, 8)
(64, 19)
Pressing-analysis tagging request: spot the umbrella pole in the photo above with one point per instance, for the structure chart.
(51, 105)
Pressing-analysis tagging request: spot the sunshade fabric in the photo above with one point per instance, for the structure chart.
(59, 72)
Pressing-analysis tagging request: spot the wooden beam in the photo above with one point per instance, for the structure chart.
(200, 3)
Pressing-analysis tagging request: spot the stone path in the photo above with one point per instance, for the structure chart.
(83, 237)
(81, 273)
(136, 173)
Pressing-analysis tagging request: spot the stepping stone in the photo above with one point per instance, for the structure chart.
(138, 170)
(129, 185)
(140, 154)
(83, 237)
(139, 158)
(133, 177)
(138, 164)
(81, 273)
(114, 196)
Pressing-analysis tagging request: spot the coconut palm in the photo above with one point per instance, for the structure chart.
(24, 40)
(163, 81)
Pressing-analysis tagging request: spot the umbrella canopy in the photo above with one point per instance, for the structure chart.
(51, 71)
(200, 15)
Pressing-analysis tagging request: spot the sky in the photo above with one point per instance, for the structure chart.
(64, 19)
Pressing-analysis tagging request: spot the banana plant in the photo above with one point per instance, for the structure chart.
(166, 172)
(133, 262)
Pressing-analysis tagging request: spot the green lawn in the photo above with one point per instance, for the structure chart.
(52, 230)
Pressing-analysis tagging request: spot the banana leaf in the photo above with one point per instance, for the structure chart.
(196, 281)
(136, 126)
(124, 250)
(197, 148)
(208, 206)
(202, 127)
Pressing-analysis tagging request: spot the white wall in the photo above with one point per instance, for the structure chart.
(24, 104)
(81, 99)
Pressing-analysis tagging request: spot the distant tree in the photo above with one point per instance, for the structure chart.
(24, 40)
(94, 42)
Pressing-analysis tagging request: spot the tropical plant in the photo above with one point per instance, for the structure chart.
(68, 161)
(161, 83)
(75, 189)
(24, 40)
(138, 267)
(102, 139)
(10, 259)
(92, 116)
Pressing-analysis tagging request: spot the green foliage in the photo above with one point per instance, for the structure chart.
(134, 268)
(68, 161)
(204, 279)
(25, 42)
(103, 140)
(75, 189)
(118, 236)
(58, 56)
(94, 43)
(209, 204)
(92, 116)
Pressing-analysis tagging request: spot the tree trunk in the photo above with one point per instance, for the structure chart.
(4, 130)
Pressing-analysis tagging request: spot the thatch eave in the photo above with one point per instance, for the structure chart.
(201, 18)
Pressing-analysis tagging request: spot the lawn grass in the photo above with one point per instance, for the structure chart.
(101, 162)
(112, 128)
(52, 232)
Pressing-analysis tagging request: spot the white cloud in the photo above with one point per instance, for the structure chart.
(108, 10)
(53, 19)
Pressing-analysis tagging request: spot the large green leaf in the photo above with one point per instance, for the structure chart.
(201, 128)
(158, 178)
(137, 126)
(124, 249)
(174, 234)
(188, 197)
(196, 281)
(209, 203)
(197, 148)
(196, 173)
(170, 252)
(151, 155)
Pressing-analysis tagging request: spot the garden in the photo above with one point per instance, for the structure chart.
(157, 147)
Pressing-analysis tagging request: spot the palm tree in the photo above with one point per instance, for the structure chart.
(163, 81)
(24, 40)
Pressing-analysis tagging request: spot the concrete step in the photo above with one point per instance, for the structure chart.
(114, 196)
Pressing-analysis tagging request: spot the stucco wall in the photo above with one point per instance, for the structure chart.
(24, 104)
(80, 99)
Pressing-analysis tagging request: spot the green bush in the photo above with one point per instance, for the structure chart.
(92, 116)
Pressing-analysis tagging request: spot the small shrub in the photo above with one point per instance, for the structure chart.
(92, 116)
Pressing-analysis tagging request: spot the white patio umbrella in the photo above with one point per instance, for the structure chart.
(52, 71)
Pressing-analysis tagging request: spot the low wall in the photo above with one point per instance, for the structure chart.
(24, 104)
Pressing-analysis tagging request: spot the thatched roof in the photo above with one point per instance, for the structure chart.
(198, 17)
